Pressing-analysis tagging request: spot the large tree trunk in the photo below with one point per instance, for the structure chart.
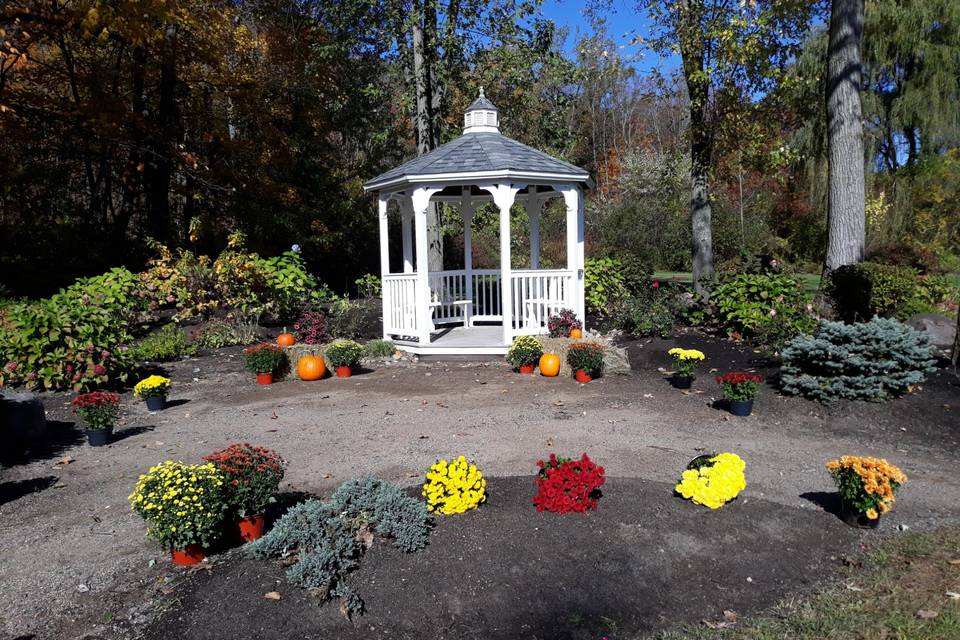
(163, 149)
(427, 118)
(846, 208)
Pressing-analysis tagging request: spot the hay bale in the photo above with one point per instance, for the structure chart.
(615, 361)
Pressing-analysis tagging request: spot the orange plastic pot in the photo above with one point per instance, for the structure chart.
(251, 528)
(550, 365)
(311, 368)
(344, 372)
(582, 376)
(526, 368)
(264, 378)
(193, 554)
(576, 334)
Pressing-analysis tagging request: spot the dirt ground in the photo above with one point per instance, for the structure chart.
(75, 563)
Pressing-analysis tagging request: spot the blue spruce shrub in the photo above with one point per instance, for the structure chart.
(329, 538)
(872, 360)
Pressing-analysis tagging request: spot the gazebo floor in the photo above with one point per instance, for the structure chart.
(459, 340)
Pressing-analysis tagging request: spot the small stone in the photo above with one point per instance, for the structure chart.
(82, 588)
(902, 527)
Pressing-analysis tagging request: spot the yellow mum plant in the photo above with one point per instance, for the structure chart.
(867, 485)
(686, 360)
(182, 503)
(152, 387)
(713, 481)
(454, 487)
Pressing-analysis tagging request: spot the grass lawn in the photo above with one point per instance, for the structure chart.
(811, 281)
(899, 590)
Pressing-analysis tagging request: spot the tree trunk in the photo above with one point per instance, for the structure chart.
(846, 197)
(163, 149)
(427, 117)
(956, 344)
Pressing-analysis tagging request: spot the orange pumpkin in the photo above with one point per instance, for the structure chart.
(576, 334)
(285, 339)
(311, 368)
(550, 365)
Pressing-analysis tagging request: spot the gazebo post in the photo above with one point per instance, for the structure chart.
(575, 254)
(467, 210)
(406, 229)
(504, 196)
(533, 205)
(382, 202)
(420, 199)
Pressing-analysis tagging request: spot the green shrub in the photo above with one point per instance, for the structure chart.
(217, 334)
(117, 291)
(327, 539)
(353, 320)
(343, 353)
(604, 283)
(379, 349)
(166, 343)
(861, 291)
(290, 287)
(767, 307)
(525, 350)
(369, 286)
(652, 311)
(867, 361)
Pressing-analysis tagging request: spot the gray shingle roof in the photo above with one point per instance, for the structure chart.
(479, 152)
(481, 103)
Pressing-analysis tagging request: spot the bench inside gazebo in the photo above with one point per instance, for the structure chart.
(477, 311)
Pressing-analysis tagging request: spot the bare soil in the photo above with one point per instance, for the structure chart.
(75, 563)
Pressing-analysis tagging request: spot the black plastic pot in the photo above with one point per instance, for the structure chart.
(681, 382)
(156, 403)
(856, 518)
(740, 407)
(99, 437)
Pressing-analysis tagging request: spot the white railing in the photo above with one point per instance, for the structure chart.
(538, 294)
(486, 295)
(400, 304)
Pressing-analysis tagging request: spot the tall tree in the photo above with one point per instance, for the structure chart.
(731, 53)
(846, 208)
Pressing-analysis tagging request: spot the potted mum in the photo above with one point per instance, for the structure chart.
(183, 505)
(586, 360)
(524, 353)
(739, 390)
(252, 476)
(153, 391)
(867, 487)
(565, 485)
(99, 410)
(265, 360)
(454, 487)
(343, 355)
(713, 480)
(685, 362)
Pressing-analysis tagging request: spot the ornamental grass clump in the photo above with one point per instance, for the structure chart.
(737, 386)
(264, 358)
(252, 476)
(99, 409)
(685, 360)
(586, 357)
(152, 387)
(183, 503)
(713, 481)
(454, 487)
(866, 485)
(325, 541)
(565, 485)
(524, 352)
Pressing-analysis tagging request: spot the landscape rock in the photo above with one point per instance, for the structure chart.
(941, 329)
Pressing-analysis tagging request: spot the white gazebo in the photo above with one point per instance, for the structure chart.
(477, 311)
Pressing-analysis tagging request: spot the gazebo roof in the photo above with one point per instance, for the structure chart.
(480, 154)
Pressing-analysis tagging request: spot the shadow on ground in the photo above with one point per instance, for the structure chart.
(16, 489)
(645, 560)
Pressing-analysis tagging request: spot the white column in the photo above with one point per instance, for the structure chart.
(533, 212)
(466, 210)
(420, 199)
(575, 252)
(504, 196)
(406, 227)
(382, 203)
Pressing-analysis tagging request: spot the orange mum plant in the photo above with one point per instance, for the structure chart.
(867, 485)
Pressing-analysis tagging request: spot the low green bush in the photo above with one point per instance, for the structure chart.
(771, 308)
(604, 283)
(872, 360)
(326, 540)
(653, 311)
(354, 320)
(379, 349)
(164, 344)
(217, 334)
(867, 289)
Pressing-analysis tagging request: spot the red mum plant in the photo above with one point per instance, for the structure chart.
(252, 476)
(98, 409)
(565, 485)
(739, 386)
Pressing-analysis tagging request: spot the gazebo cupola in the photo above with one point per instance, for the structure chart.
(481, 116)
(465, 310)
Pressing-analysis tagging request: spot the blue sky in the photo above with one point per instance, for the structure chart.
(623, 24)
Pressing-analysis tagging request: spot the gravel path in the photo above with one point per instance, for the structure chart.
(75, 561)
